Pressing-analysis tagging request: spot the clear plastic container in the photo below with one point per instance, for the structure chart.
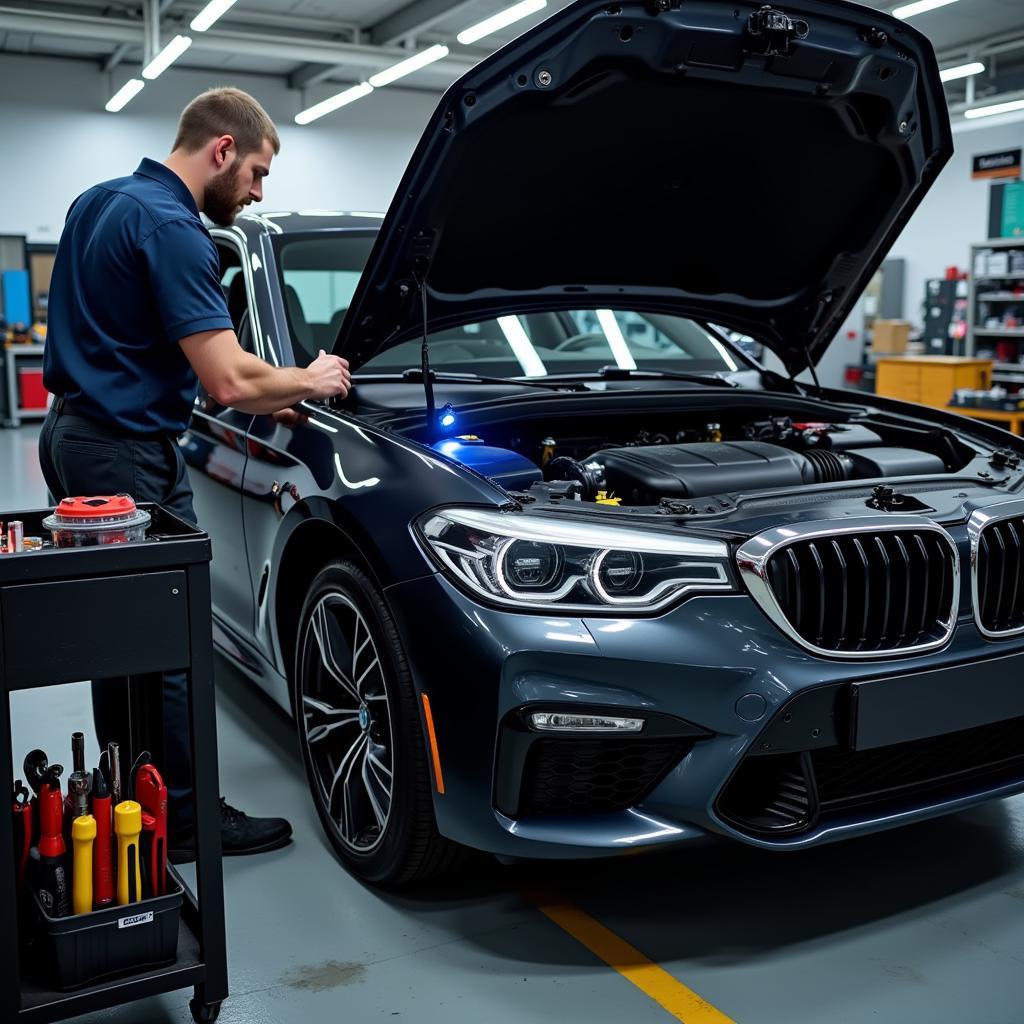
(86, 522)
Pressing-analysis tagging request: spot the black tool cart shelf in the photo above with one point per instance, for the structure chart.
(97, 612)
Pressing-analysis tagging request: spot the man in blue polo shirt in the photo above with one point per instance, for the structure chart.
(137, 319)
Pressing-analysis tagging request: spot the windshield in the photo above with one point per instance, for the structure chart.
(319, 275)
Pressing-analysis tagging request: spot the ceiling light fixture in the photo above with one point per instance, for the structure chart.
(500, 20)
(962, 71)
(125, 95)
(919, 7)
(209, 14)
(407, 67)
(995, 108)
(341, 99)
(166, 57)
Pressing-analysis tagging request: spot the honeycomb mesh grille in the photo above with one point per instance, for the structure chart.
(866, 592)
(573, 775)
(793, 792)
(1000, 567)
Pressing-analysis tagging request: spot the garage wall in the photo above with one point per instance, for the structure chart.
(953, 215)
(58, 139)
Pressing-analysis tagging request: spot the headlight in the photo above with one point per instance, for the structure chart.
(529, 562)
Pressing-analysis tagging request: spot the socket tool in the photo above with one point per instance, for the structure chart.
(102, 861)
(79, 781)
(83, 834)
(151, 795)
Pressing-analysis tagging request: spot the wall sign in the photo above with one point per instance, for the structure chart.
(1005, 164)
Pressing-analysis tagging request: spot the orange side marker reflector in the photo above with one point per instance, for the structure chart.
(438, 777)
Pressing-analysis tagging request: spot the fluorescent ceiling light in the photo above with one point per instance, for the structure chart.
(962, 71)
(341, 99)
(209, 14)
(995, 108)
(500, 20)
(166, 57)
(519, 341)
(919, 7)
(616, 341)
(407, 67)
(125, 94)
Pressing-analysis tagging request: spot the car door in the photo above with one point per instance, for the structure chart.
(284, 465)
(214, 448)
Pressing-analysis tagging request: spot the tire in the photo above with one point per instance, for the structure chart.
(359, 729)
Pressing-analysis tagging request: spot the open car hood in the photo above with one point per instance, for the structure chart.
(748, 166)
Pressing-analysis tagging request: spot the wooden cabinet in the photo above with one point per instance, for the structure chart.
(930, 380)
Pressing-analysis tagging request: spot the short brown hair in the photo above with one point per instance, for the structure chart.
(225, 111)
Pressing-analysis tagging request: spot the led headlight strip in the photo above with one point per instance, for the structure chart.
(556, 565)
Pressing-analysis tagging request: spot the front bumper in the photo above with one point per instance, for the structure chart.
(714, 663)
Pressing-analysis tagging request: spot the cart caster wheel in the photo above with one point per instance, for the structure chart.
(204, 1012)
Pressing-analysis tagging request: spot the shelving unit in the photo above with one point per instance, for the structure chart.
(16, 354)
(991, 294)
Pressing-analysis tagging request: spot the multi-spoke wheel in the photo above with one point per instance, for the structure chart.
(359, 728)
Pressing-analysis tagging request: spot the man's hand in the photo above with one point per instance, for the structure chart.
(290, 418)
(329, 376)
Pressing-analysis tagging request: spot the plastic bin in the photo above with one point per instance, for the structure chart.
(69, 952)
(32, 394)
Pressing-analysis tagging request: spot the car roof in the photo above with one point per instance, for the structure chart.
(303, 221)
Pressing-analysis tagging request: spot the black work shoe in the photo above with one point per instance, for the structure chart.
(239, 835)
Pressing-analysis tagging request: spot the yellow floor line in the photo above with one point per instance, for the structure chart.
(654, 981)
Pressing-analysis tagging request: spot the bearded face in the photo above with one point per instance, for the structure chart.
(225, 196)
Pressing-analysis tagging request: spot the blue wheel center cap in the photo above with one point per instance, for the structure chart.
(364, 718)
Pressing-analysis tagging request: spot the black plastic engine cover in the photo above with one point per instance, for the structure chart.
(645, 475)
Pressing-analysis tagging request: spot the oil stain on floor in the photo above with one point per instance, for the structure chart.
(321, 977)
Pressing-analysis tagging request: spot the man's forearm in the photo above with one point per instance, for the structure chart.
(256, 387)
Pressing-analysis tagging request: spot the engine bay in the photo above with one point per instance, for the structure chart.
(672, 459)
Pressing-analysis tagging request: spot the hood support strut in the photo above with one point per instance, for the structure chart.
(428, 381)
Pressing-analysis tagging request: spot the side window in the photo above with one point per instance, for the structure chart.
(317, 302)
(232, 281)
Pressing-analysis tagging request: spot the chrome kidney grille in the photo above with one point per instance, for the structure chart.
(856, 591)
(997, 556)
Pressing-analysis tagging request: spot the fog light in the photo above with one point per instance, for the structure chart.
(550, 721)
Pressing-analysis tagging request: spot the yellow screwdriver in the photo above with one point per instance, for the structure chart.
(83, 832)
(127, 826)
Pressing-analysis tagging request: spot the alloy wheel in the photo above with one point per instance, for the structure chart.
(347, 726)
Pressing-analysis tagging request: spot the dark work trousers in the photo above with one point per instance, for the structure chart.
(79, 456)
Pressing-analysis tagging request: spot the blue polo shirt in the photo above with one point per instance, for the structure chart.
(136, 271)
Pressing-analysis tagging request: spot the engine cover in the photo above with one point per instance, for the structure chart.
(645, 475)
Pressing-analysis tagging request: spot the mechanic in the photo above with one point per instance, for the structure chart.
(137, 319)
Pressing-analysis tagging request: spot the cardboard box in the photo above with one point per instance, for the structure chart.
(890, 336)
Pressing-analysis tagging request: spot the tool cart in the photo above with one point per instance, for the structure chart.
(135, 610)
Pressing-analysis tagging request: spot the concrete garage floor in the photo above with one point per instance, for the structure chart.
(923, 924)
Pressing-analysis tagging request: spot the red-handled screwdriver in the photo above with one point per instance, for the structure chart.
(22, 810)
(51, 880)
(103, 855)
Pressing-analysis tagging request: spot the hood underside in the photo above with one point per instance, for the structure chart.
(727, 162)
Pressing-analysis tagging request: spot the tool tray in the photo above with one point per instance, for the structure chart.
(69, 952)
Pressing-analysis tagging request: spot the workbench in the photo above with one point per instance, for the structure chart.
(133, 610)
(930, 380)
(1012, 421)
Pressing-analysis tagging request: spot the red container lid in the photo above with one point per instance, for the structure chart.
(108, 507)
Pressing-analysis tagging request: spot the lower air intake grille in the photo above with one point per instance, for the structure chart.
(867, 593)
(572, 775)
(779, 793)
(1000, 568)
